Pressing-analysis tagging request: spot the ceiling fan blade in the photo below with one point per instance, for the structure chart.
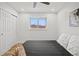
(77, 13)
(47, 3)
(34, 4)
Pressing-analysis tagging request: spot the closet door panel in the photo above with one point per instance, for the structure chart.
(2, 32)
(10, 30)
(7, 31)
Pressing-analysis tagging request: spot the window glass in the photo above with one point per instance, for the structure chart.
(38, 22)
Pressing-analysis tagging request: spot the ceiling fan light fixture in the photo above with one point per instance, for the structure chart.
(34, 4)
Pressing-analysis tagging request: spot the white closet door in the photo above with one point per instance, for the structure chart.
(2, 32)
(10, 30)
(7, 31)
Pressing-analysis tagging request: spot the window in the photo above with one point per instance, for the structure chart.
(38, 23)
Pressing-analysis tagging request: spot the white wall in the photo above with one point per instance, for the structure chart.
(63, 20)
(24, 33)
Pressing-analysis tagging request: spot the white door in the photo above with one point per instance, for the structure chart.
(10, 30)
(7, 31)
(2, 31)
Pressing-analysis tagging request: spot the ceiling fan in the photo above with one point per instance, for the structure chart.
(35, 3)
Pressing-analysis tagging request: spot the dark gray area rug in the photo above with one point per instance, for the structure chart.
(44, 48)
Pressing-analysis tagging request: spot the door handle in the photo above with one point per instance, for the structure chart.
(1, 34)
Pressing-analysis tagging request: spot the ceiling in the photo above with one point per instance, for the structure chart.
(28, 6)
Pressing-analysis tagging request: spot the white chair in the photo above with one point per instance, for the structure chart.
(64, 39)
(73, 46)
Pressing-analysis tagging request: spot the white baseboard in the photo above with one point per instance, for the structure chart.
(22, 41)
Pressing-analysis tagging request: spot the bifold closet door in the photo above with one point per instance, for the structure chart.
(7, 31)
(2, 31)
(10, 30)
